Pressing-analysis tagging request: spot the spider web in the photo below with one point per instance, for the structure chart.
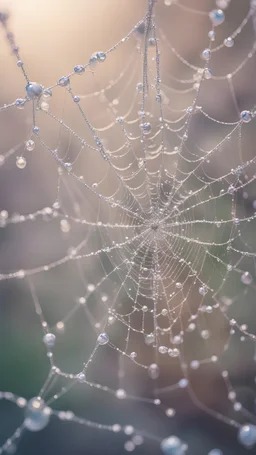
(133, 243)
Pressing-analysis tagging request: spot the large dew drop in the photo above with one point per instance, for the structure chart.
(246, 278)
(217, 17)
(34, 90)
(103, 338)
(173, 446)
(247, 435)
(37, 415)
(153, 371)
(215, 452)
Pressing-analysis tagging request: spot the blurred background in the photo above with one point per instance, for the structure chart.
(53, 37)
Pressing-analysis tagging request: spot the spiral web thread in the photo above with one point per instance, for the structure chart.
(160, 245)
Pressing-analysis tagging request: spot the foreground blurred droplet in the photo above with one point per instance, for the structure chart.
(247, 435)
(37, 415)
(173, 446)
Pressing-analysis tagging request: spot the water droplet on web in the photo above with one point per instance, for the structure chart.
(30, 145)
(229, 42)
(206, 54)
(183, 383)
(205, 334)
(194, 364)
(246, 278)
(20, 103)
(101, 56)
(153, 371)
(203, 290)
(128, 429)
(34, 90)
(207, 73)
(79, 69)
(149, 338)
(215, 452)
(211, 35)
(152, 42)
(173, 446)
(47, 93)
(49, 340)
(37, 415)
(64, 226)
(246, 116)
(63, 81)
(217, 17)
(45, 106)
(146, 127)
(133, 354)
(121, 394)
(68, 166)
(60, 327)
(170, 412)
(21, 162)
(129, 446)
(91, 287)
(247, 435)
(81, 377)
(103, 338)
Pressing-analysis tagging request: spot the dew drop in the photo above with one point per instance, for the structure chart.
(183, 383)
(29, 145)
(79, 69)
(207, 73)
(203, 290)
(101, 56)
(149, 338)
(206, 54)
(153, 371)
(146, 127)
(217, 17)
(81, 377)
(121, 394)
(60, 327)
(139, 87)
(20, 103)
(246, 278)
(45, 106)
(247, 435)
(68, 166)
(37, 415)
(63, 81)
(246, 116)
(93, 60)
(21, 162)
(34, 90)
(64, 226)
(229, 42)
(170, 412)
(103, 338)
(49, 340)
(173, 446)
(47, 93)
